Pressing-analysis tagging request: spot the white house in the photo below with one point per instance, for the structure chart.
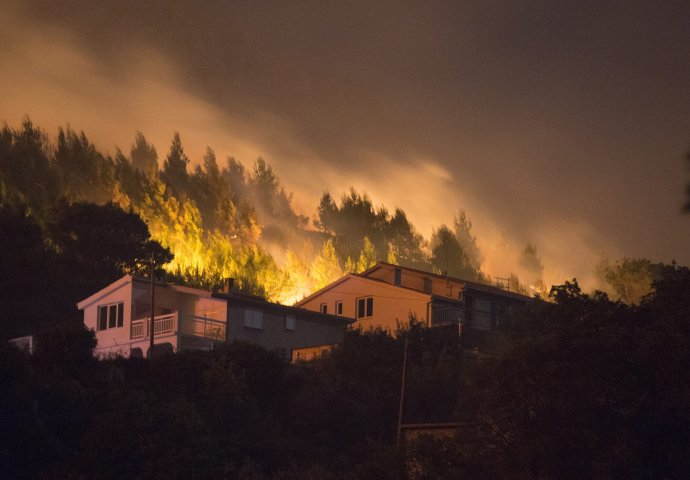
(189, 318)
(183, 317)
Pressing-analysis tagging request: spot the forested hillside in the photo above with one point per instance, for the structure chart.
(221, 219)
(211, 222)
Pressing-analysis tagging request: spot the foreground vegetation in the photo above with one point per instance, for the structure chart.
(580, 388)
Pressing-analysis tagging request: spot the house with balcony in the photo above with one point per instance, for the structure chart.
(191, 319)
(387, 295)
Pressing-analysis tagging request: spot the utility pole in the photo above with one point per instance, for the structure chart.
(402, 391)
(153, 291)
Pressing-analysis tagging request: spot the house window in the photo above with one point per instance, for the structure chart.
(324, 308)
(427, 285)
(338, 307)
(254, 319)
(110, 316)
(469, 310)
(365, 307)
(290, 322)
(398, 276)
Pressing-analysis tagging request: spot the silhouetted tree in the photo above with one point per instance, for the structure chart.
(585, 387)
(630, 279)
(30, 277)
(468, 242)
(144, 156)
(174, 171)
(98, 244)
(86, 174)
(405, 243)
(448, 257)
(25, 164)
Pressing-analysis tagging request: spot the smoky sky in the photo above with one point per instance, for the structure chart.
(562, 124)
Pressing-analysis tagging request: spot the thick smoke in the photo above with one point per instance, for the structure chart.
(50, 73)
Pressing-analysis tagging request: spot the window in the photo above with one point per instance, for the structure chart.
(110, 316)
(365, 307)
(469, 310)
(290, 322)
(338, 307)
(427, 285)
(253, 319)
(324, 308)
(398, 276)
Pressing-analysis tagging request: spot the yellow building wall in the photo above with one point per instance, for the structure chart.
(411, 279)
(392, 305)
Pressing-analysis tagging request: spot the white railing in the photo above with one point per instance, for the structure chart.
(161, 324)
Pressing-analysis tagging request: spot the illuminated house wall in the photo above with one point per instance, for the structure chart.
(184, 317)
(398, 292)
(390, 306)
(187, 318)
(417, 279)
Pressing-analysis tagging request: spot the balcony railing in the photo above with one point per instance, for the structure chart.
(190, 325)
(161, 324)
(203, 327)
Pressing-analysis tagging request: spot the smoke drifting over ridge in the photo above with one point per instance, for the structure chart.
(404, 104)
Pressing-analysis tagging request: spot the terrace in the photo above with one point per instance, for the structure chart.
(175, 322)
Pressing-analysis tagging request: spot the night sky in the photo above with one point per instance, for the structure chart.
(563, 124)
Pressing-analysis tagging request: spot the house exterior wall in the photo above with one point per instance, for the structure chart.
(398, 292)
(450, 288)
(273, 334)
(112, 341)
(135, 296)
(194, 319)
(391, 305)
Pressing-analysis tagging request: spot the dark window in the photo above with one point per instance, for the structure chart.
(469, 310)
(398, 276)
(339, 308)
(427, 285)
(324, 308)
(102, 318)
(110, 316)
(365, 307)
(494, 315)
(254, 319)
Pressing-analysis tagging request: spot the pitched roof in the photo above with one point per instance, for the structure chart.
(265, 305)
(349, 276)
(468, 284)
(104, 291)
(131, 278)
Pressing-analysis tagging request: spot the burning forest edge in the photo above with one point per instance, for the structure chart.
(240, 223)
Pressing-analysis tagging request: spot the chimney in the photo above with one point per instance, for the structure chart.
(228, 283)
